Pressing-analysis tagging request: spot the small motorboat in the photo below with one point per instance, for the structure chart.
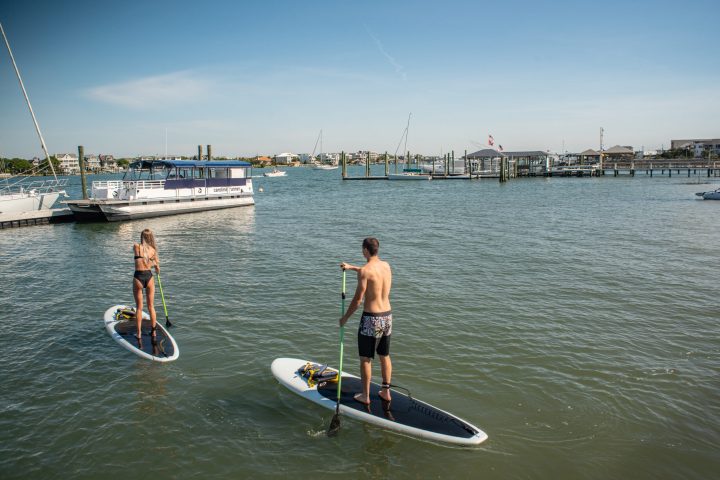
(275, 173)
(712, 195)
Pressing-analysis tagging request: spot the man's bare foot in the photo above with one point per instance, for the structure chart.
(359, 397)
(384, 392)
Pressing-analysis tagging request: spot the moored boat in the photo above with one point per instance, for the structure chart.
(712, 195)
(167, 187)
(410, 174)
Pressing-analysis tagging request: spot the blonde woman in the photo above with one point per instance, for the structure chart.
(146, 257)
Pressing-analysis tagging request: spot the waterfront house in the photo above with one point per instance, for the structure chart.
(698, 146)
(69, 164)
(107, 163)
(285, 158)
(92, 163)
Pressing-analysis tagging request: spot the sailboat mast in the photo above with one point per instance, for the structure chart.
(27, 99)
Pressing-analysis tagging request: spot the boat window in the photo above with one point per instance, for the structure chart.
(218, 173)
(198, 172)
(237, 173)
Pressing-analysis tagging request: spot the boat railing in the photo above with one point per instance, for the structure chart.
(116, 184)
(35, 187)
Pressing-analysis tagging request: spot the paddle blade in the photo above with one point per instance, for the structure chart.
(334, 425)
(167, 322)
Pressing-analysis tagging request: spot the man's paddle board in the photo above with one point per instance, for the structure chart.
(121, 325)
(403, 414)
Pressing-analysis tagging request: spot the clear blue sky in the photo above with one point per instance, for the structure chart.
(265, 77)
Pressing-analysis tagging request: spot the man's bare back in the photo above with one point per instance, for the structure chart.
(377, 276)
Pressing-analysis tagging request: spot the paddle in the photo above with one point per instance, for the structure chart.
(335, 422)
(162, 295)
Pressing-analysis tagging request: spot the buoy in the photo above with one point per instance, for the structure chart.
(260, 189)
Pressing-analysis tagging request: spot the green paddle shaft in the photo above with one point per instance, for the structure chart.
(162, 295)
(342, 334)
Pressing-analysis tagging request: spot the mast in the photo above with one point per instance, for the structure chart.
(27, 99)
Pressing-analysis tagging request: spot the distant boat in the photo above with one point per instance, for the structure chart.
(319, 165)
(713, 195)
(275, 173)
(325, 166)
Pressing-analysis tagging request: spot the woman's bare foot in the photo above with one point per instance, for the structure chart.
(359, 397)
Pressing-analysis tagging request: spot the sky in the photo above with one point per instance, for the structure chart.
(256, 77)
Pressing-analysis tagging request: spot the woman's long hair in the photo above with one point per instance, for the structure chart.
(147, 238)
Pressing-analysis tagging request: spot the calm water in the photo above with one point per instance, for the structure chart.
(574, 320)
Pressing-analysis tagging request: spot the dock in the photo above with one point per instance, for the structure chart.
(36, 217)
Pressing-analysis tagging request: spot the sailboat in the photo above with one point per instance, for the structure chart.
(319, 165)
(408, 173)
(20, 198)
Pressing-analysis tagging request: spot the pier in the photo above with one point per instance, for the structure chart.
(505, 169)
(36, 217)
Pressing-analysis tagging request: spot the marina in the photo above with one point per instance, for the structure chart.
(541, 307)
(522, 286)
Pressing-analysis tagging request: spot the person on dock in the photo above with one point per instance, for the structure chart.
(373, 290)
(146, 257)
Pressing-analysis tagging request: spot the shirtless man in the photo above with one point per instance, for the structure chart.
(374, 281)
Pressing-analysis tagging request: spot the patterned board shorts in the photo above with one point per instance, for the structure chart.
(376, 324)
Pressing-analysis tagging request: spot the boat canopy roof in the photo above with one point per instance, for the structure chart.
(155, 164)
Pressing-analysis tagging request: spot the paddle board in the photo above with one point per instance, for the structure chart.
(120, 324)
(403, 414)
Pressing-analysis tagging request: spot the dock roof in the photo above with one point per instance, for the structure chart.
(486, 153)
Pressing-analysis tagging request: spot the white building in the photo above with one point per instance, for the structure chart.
(285, 158)
(92, 163)
(69, 164)
(330, 157)
(305, 158)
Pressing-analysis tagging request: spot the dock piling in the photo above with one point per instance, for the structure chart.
(81, 159)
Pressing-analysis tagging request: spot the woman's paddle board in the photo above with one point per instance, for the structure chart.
(121, 325)
(403, 414)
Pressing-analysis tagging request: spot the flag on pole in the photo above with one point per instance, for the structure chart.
(491, 140)
(500, 148)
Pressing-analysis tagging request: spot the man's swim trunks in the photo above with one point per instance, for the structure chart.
(374, 334)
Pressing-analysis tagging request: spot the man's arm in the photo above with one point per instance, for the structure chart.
(359, 294)
(347, 266)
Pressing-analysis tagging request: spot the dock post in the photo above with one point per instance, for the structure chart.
(367, 165)
(632, 169)
(209, 152)
(81, 159)
(344, 164)
(669, 170)
(452, 161)
(447, 164)
(387, 165)
(395, 161)
(199, 152)
(467, 164)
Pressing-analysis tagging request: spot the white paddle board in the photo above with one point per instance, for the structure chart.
(403, 414)
(121, 325)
